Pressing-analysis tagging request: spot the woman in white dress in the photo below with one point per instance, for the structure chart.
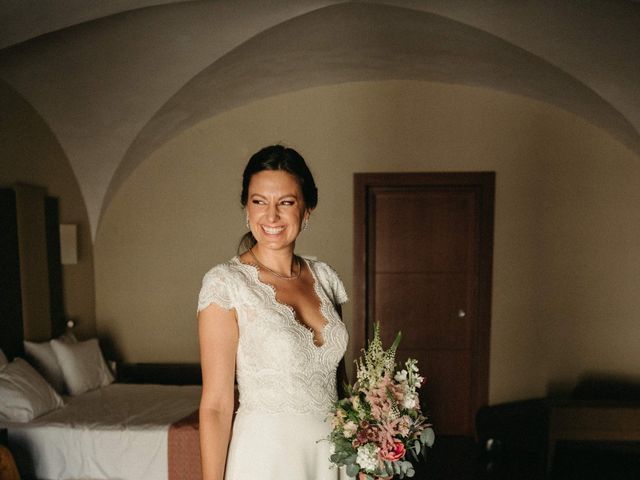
(271, 319)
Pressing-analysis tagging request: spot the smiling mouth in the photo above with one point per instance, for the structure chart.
(272, 230)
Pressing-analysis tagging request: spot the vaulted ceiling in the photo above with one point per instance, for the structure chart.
(116, 80)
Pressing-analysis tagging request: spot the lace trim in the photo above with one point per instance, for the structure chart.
(339, 292)
(290, 311)
(215, 290)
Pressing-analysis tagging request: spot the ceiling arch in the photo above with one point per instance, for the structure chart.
(356, 42)
(46, 17)
(114, 82)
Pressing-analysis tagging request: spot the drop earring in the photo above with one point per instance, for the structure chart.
(247, 223)
(305, 224)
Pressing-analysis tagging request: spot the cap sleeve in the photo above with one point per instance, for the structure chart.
(335, 284)
(216, 289)
(339, 292)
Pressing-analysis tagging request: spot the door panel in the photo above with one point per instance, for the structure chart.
(425, 307)
(447, 387)
(423, 230)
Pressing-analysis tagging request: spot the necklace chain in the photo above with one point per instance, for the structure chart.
(279, 275)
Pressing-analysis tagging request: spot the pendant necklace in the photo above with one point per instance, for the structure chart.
(279, 275)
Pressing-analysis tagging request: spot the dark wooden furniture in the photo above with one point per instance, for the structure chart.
(512, 439)
(31, 297)
(160, 373)
(594, 433)
(10, 298)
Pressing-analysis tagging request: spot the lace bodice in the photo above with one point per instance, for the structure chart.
(279, 368)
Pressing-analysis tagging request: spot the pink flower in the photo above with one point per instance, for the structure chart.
(403, 425)
(366, 433)
(396, 453)
(378, 398)
(349, 429)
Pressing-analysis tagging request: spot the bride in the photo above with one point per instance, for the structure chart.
(271, 320)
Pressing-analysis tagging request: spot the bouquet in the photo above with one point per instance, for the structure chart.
(380, 421)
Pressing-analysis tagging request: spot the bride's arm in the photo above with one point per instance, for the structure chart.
(342, 377)
(218, 334)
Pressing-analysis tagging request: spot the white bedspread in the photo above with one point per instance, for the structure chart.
(118, 432)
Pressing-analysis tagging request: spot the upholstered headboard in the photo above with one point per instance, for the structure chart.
(31, 304)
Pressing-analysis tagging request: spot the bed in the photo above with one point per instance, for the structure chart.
(119, 431)
(97, 429)
(64, 416)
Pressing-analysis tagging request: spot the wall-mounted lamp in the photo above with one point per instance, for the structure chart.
(69, 244)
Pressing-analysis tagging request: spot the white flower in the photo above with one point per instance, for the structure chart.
(350, 429)
(401, 376)
(410, 401)
(419, 381)
(368, 457)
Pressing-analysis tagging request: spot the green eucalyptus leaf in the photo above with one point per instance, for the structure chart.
(414, 454)
(428, 437)
(352, 469)
(388, 466)
(407, 466)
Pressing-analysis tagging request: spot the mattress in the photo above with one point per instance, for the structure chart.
(118, 432)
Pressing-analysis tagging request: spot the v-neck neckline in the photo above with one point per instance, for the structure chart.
(292, 314)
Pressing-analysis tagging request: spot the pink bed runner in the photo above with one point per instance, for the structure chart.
(184, 449)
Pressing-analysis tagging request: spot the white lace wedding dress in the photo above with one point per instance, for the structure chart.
(287, 384)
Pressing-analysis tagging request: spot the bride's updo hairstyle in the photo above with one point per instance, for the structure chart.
(277, 157)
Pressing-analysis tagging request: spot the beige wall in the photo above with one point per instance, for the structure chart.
(565, 258)
(31, 154)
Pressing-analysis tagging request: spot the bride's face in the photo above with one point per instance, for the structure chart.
(275, 208)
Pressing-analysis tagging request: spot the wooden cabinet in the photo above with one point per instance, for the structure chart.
(31, 298)
(10, 298)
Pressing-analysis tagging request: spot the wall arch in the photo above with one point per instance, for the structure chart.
(564, 293)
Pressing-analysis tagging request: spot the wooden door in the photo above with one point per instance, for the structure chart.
(423, 255)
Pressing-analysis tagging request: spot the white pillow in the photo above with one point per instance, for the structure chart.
(25, 394)
(82, 365)
(3, 359)
(42, 357)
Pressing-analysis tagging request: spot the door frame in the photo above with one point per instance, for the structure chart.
(484, 185)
